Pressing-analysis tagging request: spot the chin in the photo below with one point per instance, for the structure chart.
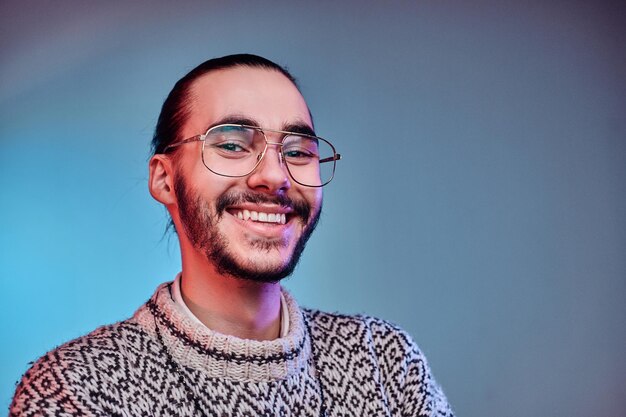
(264, 261)
(257, 273)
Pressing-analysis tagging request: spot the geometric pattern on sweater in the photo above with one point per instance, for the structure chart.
(392, 375)
(161, 363)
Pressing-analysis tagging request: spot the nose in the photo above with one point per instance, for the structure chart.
(271, 174)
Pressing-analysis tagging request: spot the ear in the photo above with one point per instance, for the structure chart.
(161, 182)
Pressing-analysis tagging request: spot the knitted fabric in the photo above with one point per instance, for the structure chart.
(161, 363)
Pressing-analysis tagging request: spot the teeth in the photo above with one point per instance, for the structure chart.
(278, 218)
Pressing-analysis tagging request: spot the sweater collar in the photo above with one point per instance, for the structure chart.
(221, 355)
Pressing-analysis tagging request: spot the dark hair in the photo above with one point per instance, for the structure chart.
(176, 109)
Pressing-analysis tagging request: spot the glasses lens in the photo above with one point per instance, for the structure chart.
(310, 160)
(232, 150)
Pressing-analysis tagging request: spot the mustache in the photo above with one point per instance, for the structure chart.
(298, 207)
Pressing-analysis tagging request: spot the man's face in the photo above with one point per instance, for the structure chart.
(210, 206)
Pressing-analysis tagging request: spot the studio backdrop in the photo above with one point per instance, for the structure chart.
(480, 201)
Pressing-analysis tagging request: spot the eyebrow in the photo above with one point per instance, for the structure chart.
(299, 127)
(237, 119)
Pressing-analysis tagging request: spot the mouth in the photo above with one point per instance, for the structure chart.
(260, 216)
(263, 212)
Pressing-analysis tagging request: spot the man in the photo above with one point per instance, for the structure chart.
(238, 166)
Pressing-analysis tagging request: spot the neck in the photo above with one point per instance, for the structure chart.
(236, 307)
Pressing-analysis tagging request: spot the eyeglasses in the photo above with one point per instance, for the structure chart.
(233, 150)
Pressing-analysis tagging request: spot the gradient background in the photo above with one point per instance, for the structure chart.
(481, 203)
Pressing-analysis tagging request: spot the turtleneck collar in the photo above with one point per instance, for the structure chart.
(195, 346)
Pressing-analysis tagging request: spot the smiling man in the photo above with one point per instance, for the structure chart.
(240, 170)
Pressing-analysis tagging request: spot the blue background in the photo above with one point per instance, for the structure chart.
(481, 203)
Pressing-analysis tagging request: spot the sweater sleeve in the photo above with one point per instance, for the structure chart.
(411, 388)
(51, 388)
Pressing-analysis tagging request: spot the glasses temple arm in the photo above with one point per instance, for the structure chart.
(337, 157)
(182, 142)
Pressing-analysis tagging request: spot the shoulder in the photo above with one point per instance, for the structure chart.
(110, 341)
(385, 351)
(361, 328)
(388, 345)
(68, 378)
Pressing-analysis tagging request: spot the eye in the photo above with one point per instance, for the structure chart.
(300, 150)
(297, 153)
(230, 141)
(230, 147)
(299, 156)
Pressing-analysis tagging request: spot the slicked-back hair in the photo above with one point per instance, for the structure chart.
(176, 107)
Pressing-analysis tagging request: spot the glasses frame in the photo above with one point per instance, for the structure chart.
(202, 138)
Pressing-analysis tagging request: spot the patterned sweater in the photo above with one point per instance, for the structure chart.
(161, 363)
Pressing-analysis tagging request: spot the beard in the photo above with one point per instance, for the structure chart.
(200, 226)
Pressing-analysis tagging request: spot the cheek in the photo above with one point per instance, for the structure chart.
(314, 197)
(210, 187)
(318, 195)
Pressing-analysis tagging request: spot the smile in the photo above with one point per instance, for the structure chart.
(260, 216)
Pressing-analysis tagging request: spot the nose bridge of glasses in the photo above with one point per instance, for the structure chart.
(273, 133)
(271, 144)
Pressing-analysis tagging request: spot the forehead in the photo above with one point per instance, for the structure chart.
(259, 94)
